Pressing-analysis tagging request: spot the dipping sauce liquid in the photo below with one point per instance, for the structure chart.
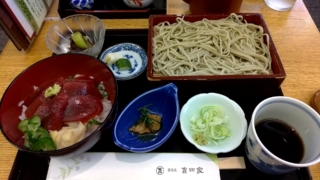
(280, 139)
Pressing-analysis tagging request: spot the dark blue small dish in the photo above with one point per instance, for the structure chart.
(164, 102)
(82, 4)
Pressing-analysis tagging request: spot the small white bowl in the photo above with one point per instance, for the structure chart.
(237, 123)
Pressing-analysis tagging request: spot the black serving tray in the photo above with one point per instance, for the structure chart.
(28, 166)
(114, 9)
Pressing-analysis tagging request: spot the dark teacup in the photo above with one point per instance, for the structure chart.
(214, 6)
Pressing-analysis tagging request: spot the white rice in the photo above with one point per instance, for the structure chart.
(23, 115)
(20, 103)
(107, 105)
(104, 114)
(106, 109)
(24, 108)
(78, 75)
(101, 86)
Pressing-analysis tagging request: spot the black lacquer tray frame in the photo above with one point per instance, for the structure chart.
(27, 166)
(114, 9)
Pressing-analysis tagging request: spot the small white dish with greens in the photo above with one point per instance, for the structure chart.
(213, 123)
(126, 60)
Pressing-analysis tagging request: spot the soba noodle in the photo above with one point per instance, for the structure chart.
(210, 47)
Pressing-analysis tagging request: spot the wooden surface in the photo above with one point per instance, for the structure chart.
(294, 33)
(53, 13)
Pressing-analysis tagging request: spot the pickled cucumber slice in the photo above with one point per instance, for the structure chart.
(123, 64)
(111, 58)
(79, 40)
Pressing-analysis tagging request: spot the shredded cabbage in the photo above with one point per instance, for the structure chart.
(211, 126)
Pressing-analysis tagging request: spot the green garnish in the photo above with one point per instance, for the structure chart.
(44, 144)
(123, 64)
(210, 126)
(102, 90)
(104, 94)
(91, 122)
(79, 40)
(36, 137)
(144, 118)
(52, 90)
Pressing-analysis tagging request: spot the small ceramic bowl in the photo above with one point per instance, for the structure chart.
(82, 4)
(297, 115)
(237, 123)
(58, 36)
(138, 3)
(134, 53)
(164, 102)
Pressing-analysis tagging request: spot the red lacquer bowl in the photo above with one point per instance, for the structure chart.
(64, 65)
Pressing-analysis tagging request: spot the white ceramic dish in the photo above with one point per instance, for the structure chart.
(136, 55)
(138, 3)
(237, 122)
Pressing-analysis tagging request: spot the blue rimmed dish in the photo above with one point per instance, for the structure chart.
(163, 101)
(134, 53)
(82, 4)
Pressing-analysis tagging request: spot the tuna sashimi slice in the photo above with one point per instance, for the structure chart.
(52, 123)
(52, 113)
(82, 108)
(32, 108)
(84, 80)
(74, 88)
(39, 90)
(37, 97)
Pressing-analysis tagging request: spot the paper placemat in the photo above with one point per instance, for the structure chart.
(146, 166)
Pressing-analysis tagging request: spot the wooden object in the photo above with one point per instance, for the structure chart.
(315, 101)
(277, 68)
